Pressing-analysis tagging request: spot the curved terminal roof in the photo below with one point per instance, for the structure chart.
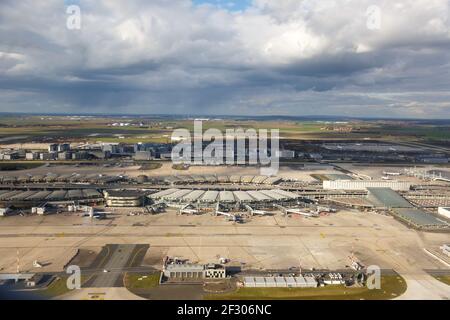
(242, 196)
(259, 196)
(226, 196)
(210, 196)
(194, 195)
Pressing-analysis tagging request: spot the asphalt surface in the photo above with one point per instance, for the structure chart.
(116, 262)
(113, 262)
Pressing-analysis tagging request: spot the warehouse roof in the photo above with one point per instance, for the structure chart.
(184, 267)
(338, 176)
(419, 217)
(386, 197)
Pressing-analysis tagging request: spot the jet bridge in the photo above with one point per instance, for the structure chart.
(286, 211)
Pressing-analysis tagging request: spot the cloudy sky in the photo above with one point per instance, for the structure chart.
(248, 57)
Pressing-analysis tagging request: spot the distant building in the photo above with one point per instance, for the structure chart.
(80, 155)
(32, 155)
(315, 156)
(48, 156)
(165, 156)
(39, 210)
(286, 154)
(139, 147)
(64, 156)
(283, 282)
(4, 211)
(433, 159)
(127, 149)
(143, 155)
(99, 154)
(194, 271)
(446, 249)
(445, 212)
(10, 155)
(53, 147)
(364, 184)
(64, 147)
(112, 148)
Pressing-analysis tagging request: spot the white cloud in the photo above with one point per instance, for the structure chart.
(159, 56)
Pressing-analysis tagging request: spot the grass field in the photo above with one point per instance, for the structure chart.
(150, 165)
(56, 288)
(93, 129)
(391, 287)
(139, 281)
(15, 166)
(444, 279)
(320, 177)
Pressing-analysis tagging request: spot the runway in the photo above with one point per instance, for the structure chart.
(114, 259)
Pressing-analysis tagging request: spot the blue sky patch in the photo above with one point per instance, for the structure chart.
(231, 5)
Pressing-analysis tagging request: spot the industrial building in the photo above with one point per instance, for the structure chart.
(143, 155)
(194, 271)
(283, 282)
(364, 184)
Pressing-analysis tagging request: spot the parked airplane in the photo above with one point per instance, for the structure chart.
(395, 174)
(37, 264)
(298, 211)
(188, 209)
(301, 212)
(256, 212)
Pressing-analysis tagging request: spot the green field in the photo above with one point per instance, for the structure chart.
(137, 281)
(444, 279)
(15, 166)
(149, 165)
(92, 129)
(391, 287)
(56, 288)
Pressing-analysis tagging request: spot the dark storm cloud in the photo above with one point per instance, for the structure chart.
(275, 57)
